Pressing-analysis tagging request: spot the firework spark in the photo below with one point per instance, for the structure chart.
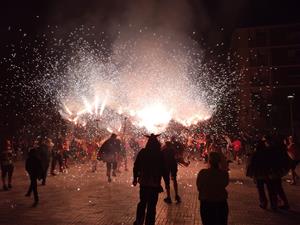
(148, 78)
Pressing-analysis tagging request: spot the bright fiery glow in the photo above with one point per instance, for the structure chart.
(103, 104)
(154, 118)
(149, 81)
(96, 104)
(88, 106)
(120, 127)
(149, 77)
(68, 110)
(109, 130)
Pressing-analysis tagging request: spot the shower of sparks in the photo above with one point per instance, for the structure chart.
(148, 78)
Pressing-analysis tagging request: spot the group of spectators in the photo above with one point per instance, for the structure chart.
(274, 157)
(268, 160)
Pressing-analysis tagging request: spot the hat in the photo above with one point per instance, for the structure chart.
(152, 135)
(113, 135)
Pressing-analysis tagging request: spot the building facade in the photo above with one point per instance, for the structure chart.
(268, 60)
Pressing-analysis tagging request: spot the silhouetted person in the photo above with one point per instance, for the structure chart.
(57, 156)
(45, 147)
(173, 155)
(109, 150)
(6, 161)
(149, 168)
(35, 170)
(267, 165)
(211, 184)
(280, 167)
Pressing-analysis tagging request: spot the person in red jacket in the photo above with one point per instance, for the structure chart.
(237, 149)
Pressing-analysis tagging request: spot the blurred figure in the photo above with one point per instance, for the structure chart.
(57, 156)
(211, 184)
(66, 153)
(149, 168)
(280, 168)
(45, 147)
(267, 166)
(294, 154)
(121, 156)
(35, 170)
(135, 147)
(173, 155)
(109, 150)
(208, 147)
(229, 148)
(237, 150)
(6, 161)
(92, 152)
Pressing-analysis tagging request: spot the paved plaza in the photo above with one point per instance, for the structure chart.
(81, 197)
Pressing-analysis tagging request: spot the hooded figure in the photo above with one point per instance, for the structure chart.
(149, 168)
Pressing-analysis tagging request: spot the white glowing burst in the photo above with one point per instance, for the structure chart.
(155, 117)
(150, 81)
(150, 77)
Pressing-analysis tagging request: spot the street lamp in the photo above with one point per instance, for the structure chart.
(269, 114)
(291, 101)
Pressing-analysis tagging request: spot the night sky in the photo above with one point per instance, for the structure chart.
(208, 18)
(33, 16)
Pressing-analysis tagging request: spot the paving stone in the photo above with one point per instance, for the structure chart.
(81, 197)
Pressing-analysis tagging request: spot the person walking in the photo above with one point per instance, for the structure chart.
(237, 150)
(268, 164)
(280, 167)
(149, 168)
(35, 170)
(109, 150)
(45, 147)
(211, 185)
(173, 155)
(57, 156)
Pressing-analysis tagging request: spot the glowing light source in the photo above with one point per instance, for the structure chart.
(103, 104)
(154, 117)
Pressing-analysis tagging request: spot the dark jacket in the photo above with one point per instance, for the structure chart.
(268, 162)
(45, 155)
(33, 163)
(169, 153)
(6, 157)
(149, 168)
(211, 184)
(109, 149)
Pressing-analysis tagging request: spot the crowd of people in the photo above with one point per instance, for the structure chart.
(267, 158)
